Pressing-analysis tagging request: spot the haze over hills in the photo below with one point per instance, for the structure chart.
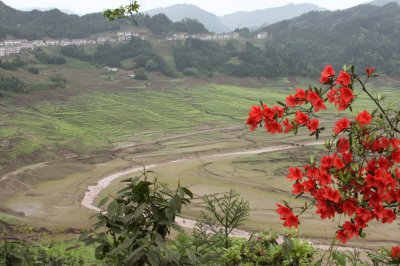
(230, 22)
(258, 18)
(181, 11)
(52, 23)
(383, 2)
(66, 11)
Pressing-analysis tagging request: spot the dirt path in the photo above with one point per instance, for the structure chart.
(93, 191)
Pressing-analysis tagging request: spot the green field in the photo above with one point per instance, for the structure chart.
(96, 127)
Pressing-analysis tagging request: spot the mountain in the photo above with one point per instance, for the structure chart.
(181, 11)
(258, 18)
(66, 11)
(383, 2)
(53, 23)
(364, 35)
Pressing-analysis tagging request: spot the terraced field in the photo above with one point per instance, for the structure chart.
(96, 126)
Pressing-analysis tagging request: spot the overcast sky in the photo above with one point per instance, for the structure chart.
(219, 7)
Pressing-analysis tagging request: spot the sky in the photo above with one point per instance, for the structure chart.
(218, 7)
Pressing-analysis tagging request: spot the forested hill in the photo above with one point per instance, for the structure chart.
(363, 35)
(53, 23)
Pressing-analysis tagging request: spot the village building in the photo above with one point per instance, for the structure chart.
(262, 35)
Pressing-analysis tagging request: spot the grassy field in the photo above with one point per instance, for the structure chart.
(96, 126)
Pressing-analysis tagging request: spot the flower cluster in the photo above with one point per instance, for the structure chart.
(359, 177)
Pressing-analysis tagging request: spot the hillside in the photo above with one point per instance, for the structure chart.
(363, 35)
(258, 18)
(383, 2)
(53, 23)
(181, 11)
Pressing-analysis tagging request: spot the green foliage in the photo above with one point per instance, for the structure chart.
(77, 52)
(140, 51)
(190, 26)
(33, 70)
(122, 11)
(12, 84)
(204, 56)
(159, 24)
(47, 58)
(264, 249)
(12, 62)
(17, 249)
(53, 23)
(140, 75)
(137, 222)
(58, 81)
(225, 213)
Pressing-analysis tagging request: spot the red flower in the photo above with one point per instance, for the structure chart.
(300, 95)
(327, 74)
(395, 254)
(350, 229)
(288, 216)
(288, 126)
(313, 125)
(255, 117)
(283, 211)
(370, 71)
(345, 98)
(291, 101)
(273, 127)
(341, 235)
(295, 173)
(291, 221)
(301, 118)
(341, 125)
(297, 188)
(343, 145)
(396, 156)
(343, 79)
(364, 118)
(349, 207)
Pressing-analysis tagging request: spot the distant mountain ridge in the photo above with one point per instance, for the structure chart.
(53, 24)
(383, 2)
(182, 11)
(258, 18)
(66, 11)
(230, 22)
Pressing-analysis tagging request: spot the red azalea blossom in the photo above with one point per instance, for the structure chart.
(343, 79)
(327, 74)
(301, 118)
(341, 125)
(345, 98)
(360, 175)
(370, 71)
(341, 235)
(313, 125)
(364, 118)
(288, 126)
(350, 229)
(395, 253)
(295, 173)
(255, 117)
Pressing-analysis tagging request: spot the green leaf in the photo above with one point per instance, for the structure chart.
(139, 210)
(287, 246)
(103, 201)
(339, 258)
(112, 208)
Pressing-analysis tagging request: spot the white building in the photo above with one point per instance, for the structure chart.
(262, 35)
(52, 42)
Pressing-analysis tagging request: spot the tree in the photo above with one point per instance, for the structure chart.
(226, 213)
(138, 220)
(359, 176)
